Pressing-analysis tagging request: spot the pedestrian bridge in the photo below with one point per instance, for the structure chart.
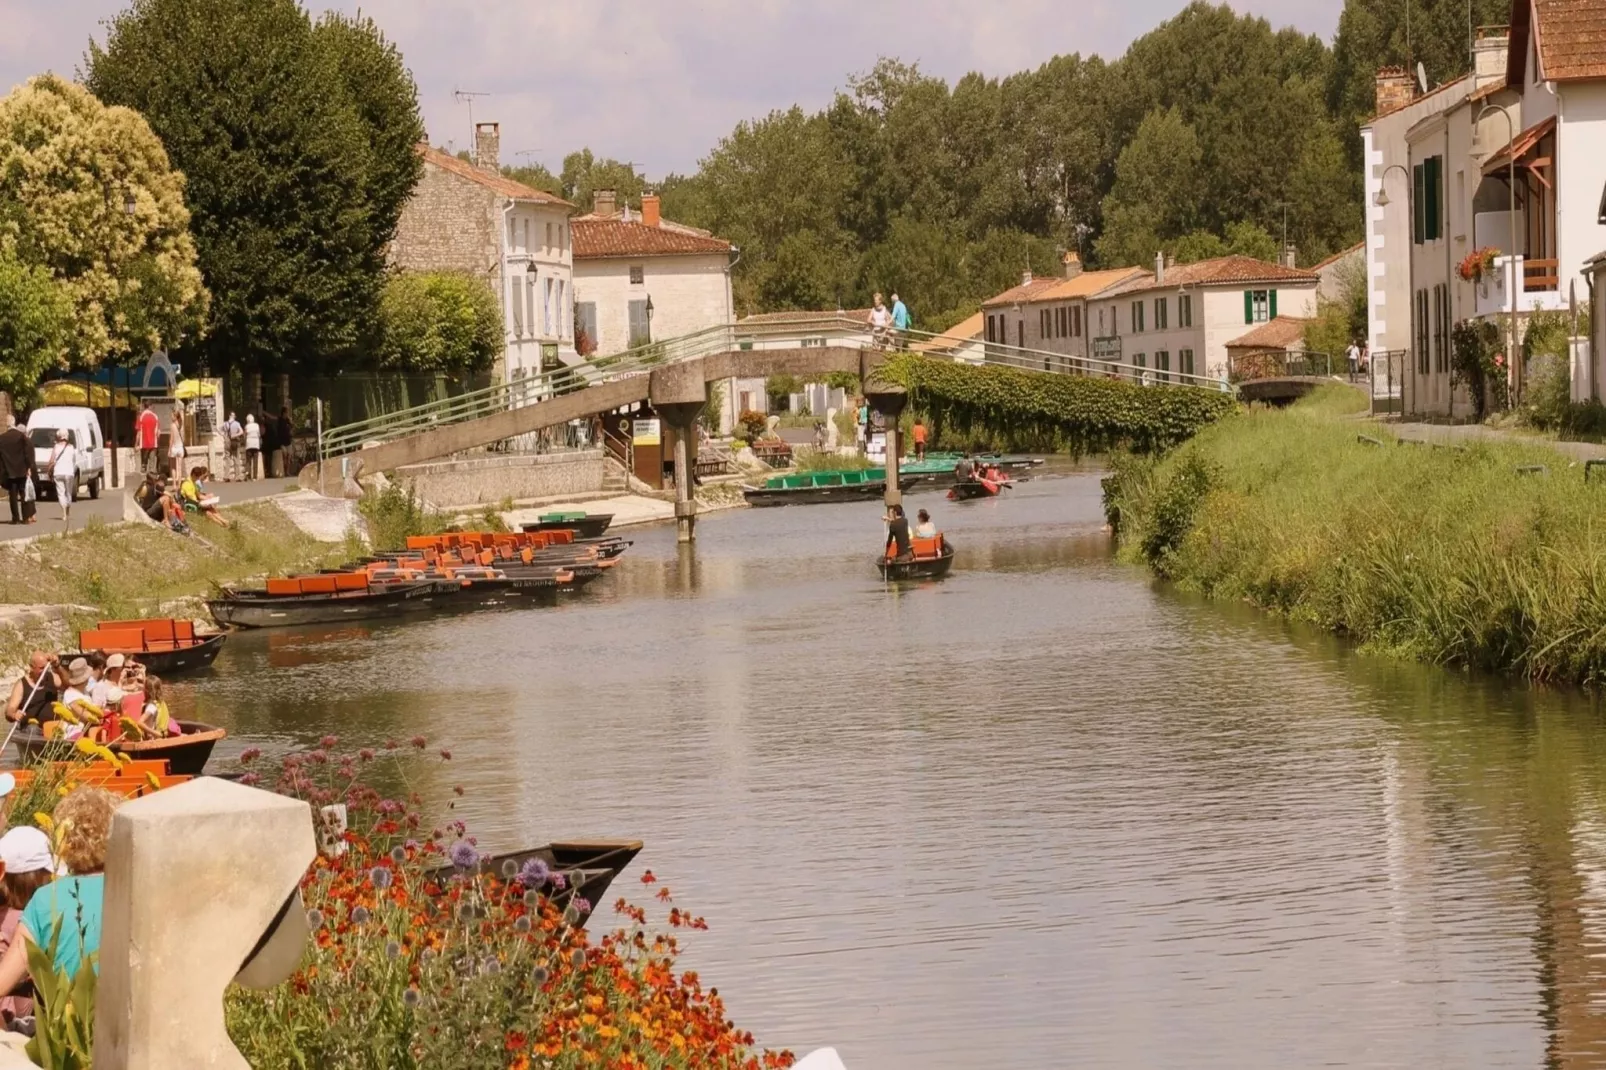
(672, 375)
(1280, 377)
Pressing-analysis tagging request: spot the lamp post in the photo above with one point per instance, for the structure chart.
(1513, 362)
(1382, 201)
(649, 319)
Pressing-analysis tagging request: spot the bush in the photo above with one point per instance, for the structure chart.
(395, 513)
(438, 321)
(753, 423)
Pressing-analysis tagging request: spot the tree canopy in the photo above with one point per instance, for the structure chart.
(35, 324)
(88, 199)
(439, 321)
(297, 142)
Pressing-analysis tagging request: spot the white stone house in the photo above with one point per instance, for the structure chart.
(639, 277)
(1180, 318)
(1050, 315)
(469, 217)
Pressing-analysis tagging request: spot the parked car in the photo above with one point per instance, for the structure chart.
(83, 431)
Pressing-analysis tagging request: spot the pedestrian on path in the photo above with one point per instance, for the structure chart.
(16, 465)
(147, 430)
(63, 468)
(284, 435)
(1353, 354)
(880, 321)
(253, 446)
(918, 434)
(175, 445)
(900, 320)
(233, 448)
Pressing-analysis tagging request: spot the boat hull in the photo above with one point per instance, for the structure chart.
(928, 568)
(251, 610)
(167, 663)
(973, 489)
(590, 527)
(185, 755)
(588, 868)
(763, 497)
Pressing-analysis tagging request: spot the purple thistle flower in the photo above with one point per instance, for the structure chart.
(314, 919)
(411, 997)
(522, 925)
(463, 854)
(582, 904)
(578, 958)
(381, 877)
(398, 855)
(534, 874)
(393, 950)
(359, 916)
(559, 882)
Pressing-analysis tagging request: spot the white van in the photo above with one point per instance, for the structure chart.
(83, 431)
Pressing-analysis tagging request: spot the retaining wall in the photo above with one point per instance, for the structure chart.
(488, 480)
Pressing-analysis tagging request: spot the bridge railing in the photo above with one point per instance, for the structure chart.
(803, 331)
(1284, 364)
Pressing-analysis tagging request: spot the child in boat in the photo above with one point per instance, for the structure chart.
(153, 714)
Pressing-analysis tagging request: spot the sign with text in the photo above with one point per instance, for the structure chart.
(1107, 348)
(645, 433)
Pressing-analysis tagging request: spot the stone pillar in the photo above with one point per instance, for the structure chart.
(678, 393)
(201, 890)
(889, 401)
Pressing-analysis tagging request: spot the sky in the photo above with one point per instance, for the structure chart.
(659, 82)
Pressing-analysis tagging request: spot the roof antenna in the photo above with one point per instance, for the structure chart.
(463, 96)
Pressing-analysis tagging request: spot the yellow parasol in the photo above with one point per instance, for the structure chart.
(190, 389)
(78, 392)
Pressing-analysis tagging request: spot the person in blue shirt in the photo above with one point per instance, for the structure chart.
(900, 319)
(70, 906)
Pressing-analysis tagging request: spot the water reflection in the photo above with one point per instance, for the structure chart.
(1039, 814)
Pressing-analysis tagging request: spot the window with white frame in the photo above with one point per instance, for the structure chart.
(638, 274)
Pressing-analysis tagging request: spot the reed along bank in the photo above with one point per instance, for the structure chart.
(1445, 555)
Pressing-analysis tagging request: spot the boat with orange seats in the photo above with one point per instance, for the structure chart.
(185, 755)
(931, 558)
(328, 598)
(131, 779)
(164, 646)
(971, 489)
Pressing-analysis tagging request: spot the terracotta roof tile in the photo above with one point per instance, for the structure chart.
(517, 191)
(1572, 38)
(596, 239)
(1222, 271)
(1280, 333)
(1026, 291)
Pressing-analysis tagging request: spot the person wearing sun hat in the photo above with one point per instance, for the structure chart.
(77, 682)
(26, 865)
(107, 692)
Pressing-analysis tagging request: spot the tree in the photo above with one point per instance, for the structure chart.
(70, 167)
(439, 321)
(1155, 193)
(293, 184)
(536, 177)
(1342, 321)
(584, 174)
(36, 324)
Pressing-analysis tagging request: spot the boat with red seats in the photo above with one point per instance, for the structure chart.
(929, 559)
(164, 646)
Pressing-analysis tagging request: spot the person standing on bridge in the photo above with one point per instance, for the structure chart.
(880, 321)
(900, 321)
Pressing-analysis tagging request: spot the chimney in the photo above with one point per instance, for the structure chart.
(488, 146)
(604, 203)
(1073, 265)
(1396, 87)
(1290, 256)
(1489, 56)
(1159, 268)
(650, 212)
(1026, 277)
(1170, 261)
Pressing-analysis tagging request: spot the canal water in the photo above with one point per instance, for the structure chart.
(1044, 813)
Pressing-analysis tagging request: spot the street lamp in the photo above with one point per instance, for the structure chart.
(649, 319)
(1513, 363)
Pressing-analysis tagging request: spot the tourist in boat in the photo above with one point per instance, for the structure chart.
(33, 695)
(107, 690)
(26, 865)
(78, 681)
(68, 909)
(924, 528)
(965, 470)
(898, 534)
(153, 715)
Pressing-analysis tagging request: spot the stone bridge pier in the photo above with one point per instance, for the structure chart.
(678, 393)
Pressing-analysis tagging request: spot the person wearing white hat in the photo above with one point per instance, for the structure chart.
(77, 682)
(26, 865)
(106, 692)
(63, 468)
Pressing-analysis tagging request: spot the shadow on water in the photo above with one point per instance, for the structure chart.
(1042, 813)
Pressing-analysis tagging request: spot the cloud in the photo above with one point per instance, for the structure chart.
(659, 82)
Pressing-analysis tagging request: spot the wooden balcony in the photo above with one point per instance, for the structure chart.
(1540, 274)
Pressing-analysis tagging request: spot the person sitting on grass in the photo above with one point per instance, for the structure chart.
(64, 916)
(196, 500)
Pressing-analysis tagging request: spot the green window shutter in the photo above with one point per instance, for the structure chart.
(1273, 300)
(1430, 198)
(1418, 198)
(1249, 306)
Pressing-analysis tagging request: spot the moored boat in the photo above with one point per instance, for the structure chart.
(185, 755)
(164, 646)
(821, 488)
(584, 525)
(326, 599)
(587, 868)
(931, 558)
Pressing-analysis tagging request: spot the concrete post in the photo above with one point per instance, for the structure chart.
(678, 393)
(889, 401)
(201, 889)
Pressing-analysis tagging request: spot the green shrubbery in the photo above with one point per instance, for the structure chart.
(1443, 555)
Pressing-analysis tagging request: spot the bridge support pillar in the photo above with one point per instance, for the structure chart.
(889, 401)
(682, 420)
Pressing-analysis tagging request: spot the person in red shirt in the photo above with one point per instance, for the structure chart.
(147, 429)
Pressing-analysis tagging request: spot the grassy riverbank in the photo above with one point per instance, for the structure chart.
(133, 570)
(1442, 555)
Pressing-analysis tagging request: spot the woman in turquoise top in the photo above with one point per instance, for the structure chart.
(70, 906)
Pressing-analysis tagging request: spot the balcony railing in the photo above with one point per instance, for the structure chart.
(1536, 287)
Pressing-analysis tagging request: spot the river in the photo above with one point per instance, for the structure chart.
(1044, 813)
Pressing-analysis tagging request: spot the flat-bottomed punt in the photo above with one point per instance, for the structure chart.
(823, 488)
(324, 599)
(972, 489)
(931, 559)
(185, 755)
(165, 647)
(587, 867)
(584, 525)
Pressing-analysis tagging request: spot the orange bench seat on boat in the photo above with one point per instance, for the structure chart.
(112, 640)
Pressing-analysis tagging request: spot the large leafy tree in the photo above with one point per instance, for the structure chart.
(297, 165)
(87, 197)
(584, 174)
(439, 321)
(36, 322)
(1156, 195)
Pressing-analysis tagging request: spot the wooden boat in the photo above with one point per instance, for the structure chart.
(584, 525)
(977, 488)
(165, 647)
(932, 559)
(185, 755)
(588, 867)
(326, 599)
(822, 488)
(133, 780)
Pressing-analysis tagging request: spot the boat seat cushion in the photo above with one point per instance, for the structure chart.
(318, 585)
(925, 548)
(352, 581)
(124, 640)
(281, 588)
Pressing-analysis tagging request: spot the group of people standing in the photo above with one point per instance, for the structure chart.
(255, 449)
(889, 327)
(20, 470)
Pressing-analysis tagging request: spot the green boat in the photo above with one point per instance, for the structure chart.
(822, 488)
(584, 525)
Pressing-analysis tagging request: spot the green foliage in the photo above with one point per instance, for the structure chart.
(394, 514)
(846, 381)
(1156, 192)
(778, 388)
(297, 162)
(70, 167)
(710, 416)
(1478, 364)
(584, 174)
(64, 1021)
(536, 177)
(1443, 555)
(754, 423)
(439, 321)
(813, 461)
(35, 323)
(1081, 414)
(1177, 498)
(1343, 321)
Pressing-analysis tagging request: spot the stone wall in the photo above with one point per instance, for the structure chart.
(488, 480)
(449, 224)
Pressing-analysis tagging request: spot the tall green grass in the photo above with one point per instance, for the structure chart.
(1442, 555)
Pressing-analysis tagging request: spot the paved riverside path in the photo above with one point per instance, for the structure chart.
(109, 507)
(1455, 434)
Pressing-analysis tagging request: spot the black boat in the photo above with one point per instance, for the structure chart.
(928, 563)
(278, 605)
(165, 659)
(587, 867)
(584, 525)
(186, 755)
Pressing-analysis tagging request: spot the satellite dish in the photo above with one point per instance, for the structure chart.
(1422, 77)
